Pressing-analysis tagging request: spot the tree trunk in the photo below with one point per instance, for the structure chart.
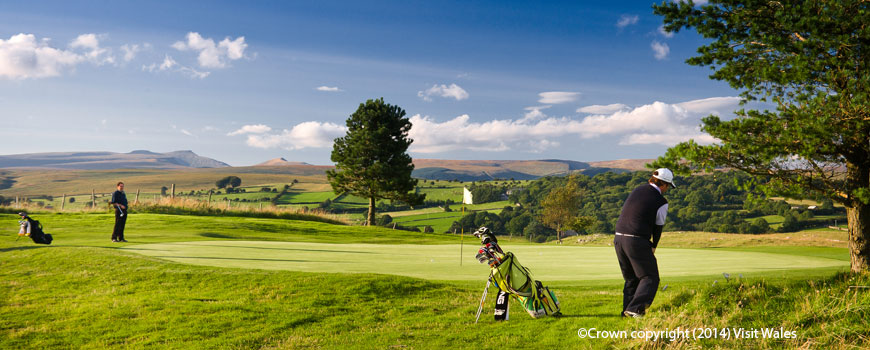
(859, 236)
(858, 214)
(370, 219)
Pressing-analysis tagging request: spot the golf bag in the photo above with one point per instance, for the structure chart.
(515, 279)
(37, 234)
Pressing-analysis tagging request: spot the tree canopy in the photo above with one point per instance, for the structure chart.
(810, 60)
(228, 182)
(371, 160)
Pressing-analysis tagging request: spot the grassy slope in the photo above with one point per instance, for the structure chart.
(41, 182)
(83, 293)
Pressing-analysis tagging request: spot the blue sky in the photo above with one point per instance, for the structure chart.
(244, 82)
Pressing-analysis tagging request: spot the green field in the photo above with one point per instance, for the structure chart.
(86, 292)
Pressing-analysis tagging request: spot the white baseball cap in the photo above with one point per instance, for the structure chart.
(665, 175)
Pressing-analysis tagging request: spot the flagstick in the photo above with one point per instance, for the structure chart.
(461, 234)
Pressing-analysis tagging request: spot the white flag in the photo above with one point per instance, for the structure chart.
(466, 196)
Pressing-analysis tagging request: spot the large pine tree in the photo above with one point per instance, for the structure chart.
(811, 59)
(371, 161)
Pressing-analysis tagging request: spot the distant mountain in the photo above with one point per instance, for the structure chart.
(482, 170)
(280, 162)
(139, 159)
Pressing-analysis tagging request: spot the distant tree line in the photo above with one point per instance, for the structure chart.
(720, 202)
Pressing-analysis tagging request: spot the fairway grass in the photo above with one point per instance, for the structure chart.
(84, 292)
(441, 262)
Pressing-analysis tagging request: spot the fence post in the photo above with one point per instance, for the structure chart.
(93, 199)
(209, 199)
(172, 194)
(62, 201)
(137, 197)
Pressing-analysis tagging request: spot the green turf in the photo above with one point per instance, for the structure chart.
(441, 262)
(86, 292)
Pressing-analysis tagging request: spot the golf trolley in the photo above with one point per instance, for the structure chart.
(513, 280)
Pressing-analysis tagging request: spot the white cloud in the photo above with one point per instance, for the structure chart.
(534, 113)
(169, 63)
(602, 109)
(712, 105)
(655, 123)
(303, 135)
(328, 88)
(660, 50)
(664, 33)
(131, 50)
(24, 57)
(210, 54)
(95, 53)
(454, 91)
(557, 97)
(627, 20)
(188, 133)
(251, 129)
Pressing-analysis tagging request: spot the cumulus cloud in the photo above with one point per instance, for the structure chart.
(251, 129)
(655, 123)
(660, 50)
(454, 91)
(328, 88)
(303, 135)
(534, 113)
(602, 109)
(665, 33)
(169, 63)
(22, 56)
(131, 50)
(627, 20)
(213, 55)
(94, 53)
(557, 97)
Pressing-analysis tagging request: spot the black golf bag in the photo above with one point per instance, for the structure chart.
(36, 234)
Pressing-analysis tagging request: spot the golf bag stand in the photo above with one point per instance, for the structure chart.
(514, 279)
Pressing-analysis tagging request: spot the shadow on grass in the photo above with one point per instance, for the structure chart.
(248, 259)
(21, 248)
(273, 248)
(589, 316)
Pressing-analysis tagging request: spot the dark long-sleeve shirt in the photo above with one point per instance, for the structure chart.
(118, 197)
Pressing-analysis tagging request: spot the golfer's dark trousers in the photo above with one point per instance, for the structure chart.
(120, 221)
(640, 271)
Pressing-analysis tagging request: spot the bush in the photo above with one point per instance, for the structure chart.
(384, 220)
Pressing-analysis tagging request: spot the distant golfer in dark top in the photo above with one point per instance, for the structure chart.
(119, 202)
(638, 231)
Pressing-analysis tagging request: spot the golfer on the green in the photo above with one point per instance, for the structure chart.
(641, 220)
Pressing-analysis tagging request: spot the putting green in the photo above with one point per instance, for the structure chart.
(441, 262)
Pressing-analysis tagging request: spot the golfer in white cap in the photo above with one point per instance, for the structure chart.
(638, 231)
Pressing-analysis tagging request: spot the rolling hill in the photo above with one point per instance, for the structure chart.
(139, 159)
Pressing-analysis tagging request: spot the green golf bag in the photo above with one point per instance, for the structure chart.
(514, 278)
